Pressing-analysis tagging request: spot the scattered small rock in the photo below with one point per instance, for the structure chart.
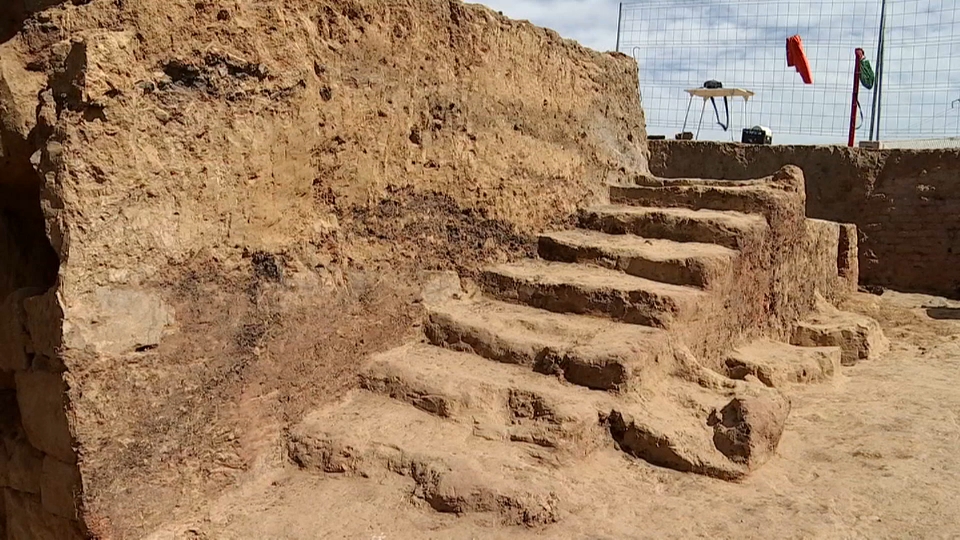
(415, 136)
(872, 289)
(748, 429)
(266, 266)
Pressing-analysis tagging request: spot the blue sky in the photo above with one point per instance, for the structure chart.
(681, 43)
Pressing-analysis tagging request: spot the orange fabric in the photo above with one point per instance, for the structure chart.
(798, 59)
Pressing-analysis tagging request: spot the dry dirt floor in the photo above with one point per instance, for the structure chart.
(873, 455)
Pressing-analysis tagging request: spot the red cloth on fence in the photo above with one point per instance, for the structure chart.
(798, 59)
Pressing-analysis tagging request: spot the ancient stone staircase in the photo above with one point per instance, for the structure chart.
(618, 336)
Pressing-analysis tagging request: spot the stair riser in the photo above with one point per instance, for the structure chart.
(501, 409)
(747, 200)
(664, 227)
(633, 308)
(608, 374)
(444, 332)
(779, 365)
(690, 271)
(515, 503)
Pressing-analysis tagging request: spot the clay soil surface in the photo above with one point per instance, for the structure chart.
(873, 455)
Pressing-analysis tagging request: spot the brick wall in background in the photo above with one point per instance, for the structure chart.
(906, 203)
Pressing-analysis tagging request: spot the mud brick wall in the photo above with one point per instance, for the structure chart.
(905, 203)
(39, 477)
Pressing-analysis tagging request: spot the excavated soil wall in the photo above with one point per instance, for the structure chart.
(242, 197)
(904, 202)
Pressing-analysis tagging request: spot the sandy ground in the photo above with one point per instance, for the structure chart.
(872, 455)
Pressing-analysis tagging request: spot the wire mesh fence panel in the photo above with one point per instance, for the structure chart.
(680, 44)
(921, 73)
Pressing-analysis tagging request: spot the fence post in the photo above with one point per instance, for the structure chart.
(878, 89)
(619, 22)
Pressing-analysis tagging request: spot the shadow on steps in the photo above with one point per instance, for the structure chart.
(944, 314)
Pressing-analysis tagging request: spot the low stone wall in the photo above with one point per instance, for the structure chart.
(39, 477)
(904, 202)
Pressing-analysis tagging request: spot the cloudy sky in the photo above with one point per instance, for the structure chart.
(591, 22)
(679, 44)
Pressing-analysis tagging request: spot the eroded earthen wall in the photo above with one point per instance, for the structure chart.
(241, 196)
(905, 203)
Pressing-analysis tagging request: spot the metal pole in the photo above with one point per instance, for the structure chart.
(619, 22)
(700, 125)
(687, 117)
(881, 42)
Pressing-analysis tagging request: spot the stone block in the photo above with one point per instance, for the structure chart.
(44, 320)
(823, 239)
(114, 321)
(748, 429)
(24, 466)
(440, 287)
(41, 397)
(848, 256)
(60, 487)
(110, 63)
(7, 380)
(858, 336)
(4, 467)
(27, 520)
(13, 338)
(18, 89)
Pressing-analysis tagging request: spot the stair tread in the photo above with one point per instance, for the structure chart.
(541, 327)
(755, 199)
(768, 347)
(594, 352)
(727, 228)
(591, 277)
(655, 249)
(655, 181)
(592, 290)
(703, 186)
(366, 419)
(776, 363)
(730, 218)
(536, 329)
(456, 470)
(477, 386)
